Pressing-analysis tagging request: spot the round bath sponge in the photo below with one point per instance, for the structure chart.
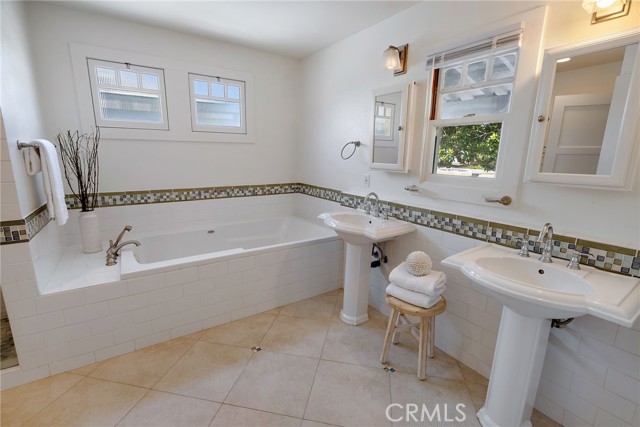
(418, 263)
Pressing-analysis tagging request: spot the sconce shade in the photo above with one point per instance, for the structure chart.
(604, 10)
(395, 58)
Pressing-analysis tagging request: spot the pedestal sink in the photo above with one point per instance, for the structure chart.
(533, 293)
(359, 231)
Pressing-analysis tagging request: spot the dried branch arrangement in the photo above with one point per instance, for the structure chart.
(80, 160)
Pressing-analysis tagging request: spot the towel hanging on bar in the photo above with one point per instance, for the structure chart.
(31, 157)
(52, 181)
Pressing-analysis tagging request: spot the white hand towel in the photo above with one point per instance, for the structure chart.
(415, 298)
(52, 181)
(32, 162)
(430, 284)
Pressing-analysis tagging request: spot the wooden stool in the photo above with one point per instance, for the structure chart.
(424, 331)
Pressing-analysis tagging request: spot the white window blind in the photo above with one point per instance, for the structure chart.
(493, 44)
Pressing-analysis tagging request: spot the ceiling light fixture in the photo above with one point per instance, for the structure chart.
(395, 58)
(604, 10)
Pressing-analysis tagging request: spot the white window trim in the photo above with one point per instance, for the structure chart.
(515, 127)
(176, 74)
(242, 129)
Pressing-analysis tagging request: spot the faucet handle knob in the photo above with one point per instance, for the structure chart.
(574, 264)
(524, 247)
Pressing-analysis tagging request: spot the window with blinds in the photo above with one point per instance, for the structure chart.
(127, 96)
(217, 104)
(472, 91)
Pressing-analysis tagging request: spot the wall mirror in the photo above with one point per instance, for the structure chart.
(391, 122)
(585, 122)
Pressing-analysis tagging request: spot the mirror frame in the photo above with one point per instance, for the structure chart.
(626, 156)
(406, 123)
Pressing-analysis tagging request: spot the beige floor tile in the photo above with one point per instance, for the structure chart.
(274, 311)
(441, 399)
(143, 368)
(245, 332)
(206, 371)
(320, 307)
(158, 409)
(309, 423)
(295, 335)
(21, 403)
(90, 402)
(86, 370)
(471, 376)
(376, 319)
(235, 416)
(349, 395)
(275, 382)
(538, 419)
(478, 394)
(194, 336)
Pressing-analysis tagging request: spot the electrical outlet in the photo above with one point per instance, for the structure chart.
(367, 180)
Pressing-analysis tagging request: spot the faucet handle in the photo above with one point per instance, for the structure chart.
(524, 247)
(574, 264)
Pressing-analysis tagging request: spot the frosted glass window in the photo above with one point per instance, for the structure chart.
(127, 96)
(217, 90)
(476, 102)
(200, 87)
(106, 76)
(383, 121)
(233, 92)
(452, 77)
(128, 78)
(504, 66)
(220, 108)
(149, 81)
(477, 72)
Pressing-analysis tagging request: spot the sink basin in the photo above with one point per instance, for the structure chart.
(550, 291)
(360, 228)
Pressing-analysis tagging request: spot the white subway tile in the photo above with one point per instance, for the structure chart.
(549, 408)
(605, 419)
(19, 290)
(72, 363)
(182, 276)
(228, 280)
(115, 350)
(212, 270)
(168, 322)
(166, 294)
(92, 343)
(145, 283)
(16, 377)
(216, 320)
(574, 361)
(621, 360)
(602, 330)
(241, 264)
(478, 351)
(623, 385)
(18, 272)
(483, 319)
(151, 312)
(568, 400)
(27, 343)
(132, 332)
(571, 420)
(39, 323)
(152, 339)
(628, 339)
(184, 304)
(243, 312)
(21, 308)
(187, 329)
(198, 287)
(86, 312)
(129, 303)
(603, 398)
(106, 292)
(66, 334)
(557, 374)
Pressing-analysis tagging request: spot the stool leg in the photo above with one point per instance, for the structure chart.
(422, 356)
(395, 338)
(391, 326)
(431, 336)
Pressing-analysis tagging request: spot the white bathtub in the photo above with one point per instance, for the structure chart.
(168, 251)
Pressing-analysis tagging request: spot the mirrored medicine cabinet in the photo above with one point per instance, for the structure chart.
(584, 131)
(392, 119)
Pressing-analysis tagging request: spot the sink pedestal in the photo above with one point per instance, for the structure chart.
(516, 370)
(356, 284)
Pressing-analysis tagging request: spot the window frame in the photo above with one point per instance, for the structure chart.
(195, 126)
(513, 146)
(94, 63)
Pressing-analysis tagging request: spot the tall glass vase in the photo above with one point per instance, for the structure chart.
(90, 232)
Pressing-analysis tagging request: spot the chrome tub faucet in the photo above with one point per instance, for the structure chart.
(114, 247)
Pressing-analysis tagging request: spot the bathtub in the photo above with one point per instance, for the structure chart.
(191, 247)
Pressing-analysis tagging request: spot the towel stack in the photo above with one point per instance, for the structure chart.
(423, 291)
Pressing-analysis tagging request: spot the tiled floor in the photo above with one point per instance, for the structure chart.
(312, 370)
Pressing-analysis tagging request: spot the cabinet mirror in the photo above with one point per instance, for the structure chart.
(391, 118)
(584, 130)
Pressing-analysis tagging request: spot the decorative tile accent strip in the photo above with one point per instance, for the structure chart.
(600, 255)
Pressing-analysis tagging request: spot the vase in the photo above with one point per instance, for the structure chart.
(90, 232)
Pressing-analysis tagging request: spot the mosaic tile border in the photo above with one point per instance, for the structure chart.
(603, 256)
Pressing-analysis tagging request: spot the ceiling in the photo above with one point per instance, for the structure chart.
(294, 29)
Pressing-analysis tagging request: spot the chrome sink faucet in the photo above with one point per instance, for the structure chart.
(114, 247)
(546, 242)
(377, 203)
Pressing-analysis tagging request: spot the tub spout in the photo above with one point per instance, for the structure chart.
(112, 254)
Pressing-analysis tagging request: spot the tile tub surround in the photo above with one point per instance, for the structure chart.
(213, 378)
(600, 255)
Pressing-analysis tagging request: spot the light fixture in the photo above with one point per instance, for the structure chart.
(395, 58)
(561, 60)
(604, 10)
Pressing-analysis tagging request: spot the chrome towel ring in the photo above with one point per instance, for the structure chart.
(356, 144)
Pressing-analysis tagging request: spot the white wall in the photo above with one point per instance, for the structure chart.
(337, 86)
(143, 165)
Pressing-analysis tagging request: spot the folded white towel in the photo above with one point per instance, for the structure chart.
(31, 158)
(415, 298)
(430, 284)
(52, 181)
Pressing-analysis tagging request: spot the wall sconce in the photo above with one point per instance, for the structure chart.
(395, 58)
(604, 10)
